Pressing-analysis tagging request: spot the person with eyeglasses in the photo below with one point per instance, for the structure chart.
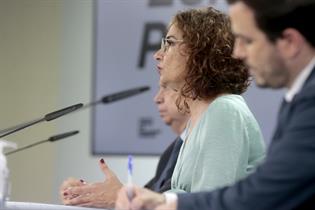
(224, 142)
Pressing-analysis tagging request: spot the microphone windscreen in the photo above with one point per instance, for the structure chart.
(59, 113)
(63, 135)
(124, 94)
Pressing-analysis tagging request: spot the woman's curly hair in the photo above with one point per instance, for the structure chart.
(211, 70)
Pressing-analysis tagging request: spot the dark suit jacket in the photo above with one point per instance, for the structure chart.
(286, 180)
(165, 158)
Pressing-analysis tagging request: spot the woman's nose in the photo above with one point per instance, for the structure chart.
(158, 97)
(158, 55)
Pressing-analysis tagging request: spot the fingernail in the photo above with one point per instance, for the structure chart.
(65, 194)
(102, 161)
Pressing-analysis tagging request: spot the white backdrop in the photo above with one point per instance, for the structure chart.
(127, 33)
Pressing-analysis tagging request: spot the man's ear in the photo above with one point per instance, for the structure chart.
(290, 43)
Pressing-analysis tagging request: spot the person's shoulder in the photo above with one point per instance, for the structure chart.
(232, 106)
(229, 103)
(308, 91)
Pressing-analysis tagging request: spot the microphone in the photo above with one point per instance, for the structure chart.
(119, 96)
(124, 94)
(61, 112)
(50, 139)
(47, 117)
(53, 115)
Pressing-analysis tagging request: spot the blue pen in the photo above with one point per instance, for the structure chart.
(129, 178)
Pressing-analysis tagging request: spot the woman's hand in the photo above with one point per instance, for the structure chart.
(66, 185)
(99, 195)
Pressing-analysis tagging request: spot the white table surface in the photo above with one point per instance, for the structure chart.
(38, 206)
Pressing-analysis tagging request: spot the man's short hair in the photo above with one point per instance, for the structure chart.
(274, 16)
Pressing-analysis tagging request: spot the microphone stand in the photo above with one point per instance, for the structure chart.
(51, 116)
(118, 96)
(51, 139)
(47, 117)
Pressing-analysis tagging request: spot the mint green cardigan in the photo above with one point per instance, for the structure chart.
(224, 146)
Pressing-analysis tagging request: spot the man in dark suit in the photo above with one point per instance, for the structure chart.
(277, 42)
(165, 100)
(161, 183)
(103, 194)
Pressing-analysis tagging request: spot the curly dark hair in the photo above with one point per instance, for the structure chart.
(211, 70)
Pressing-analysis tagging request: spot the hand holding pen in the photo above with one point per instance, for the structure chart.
(142, 199)
(129, 178)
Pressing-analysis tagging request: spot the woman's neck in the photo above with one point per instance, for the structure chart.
(197, 108)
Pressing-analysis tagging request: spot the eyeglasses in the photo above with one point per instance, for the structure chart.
(167, 42)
